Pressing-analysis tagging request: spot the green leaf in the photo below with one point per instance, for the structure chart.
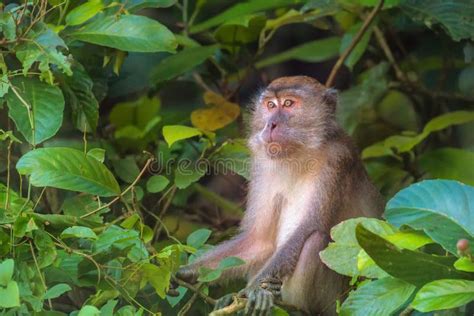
(345, 256)
(97, 153)
(240, 10)
(230, 262)
(36, 108)
(315, 51)
(198, 238)
(46, 248)
(403, 143)
(455, 16)
(136, 5)
(159, 278)
(56, 291)
(209, 275)
(10, 295)
(464, 264)
(89, 310)
(380, 297)
(240, 31)
(157, 184)
(414, 267)
(449, 163)
(181, 62)
(128, 33)
(44, 46)
(6, 271)
(69, 169)
(185, 174)
(78, 232)
(442, 208)
(444, 294)
(8, 26)
(174, 133)
(84, 12)
(79, 95)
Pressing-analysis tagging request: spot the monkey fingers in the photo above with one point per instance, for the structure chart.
(224, 301)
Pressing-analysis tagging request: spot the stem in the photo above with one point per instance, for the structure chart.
(39, 272)
(355, 41)
(9, 155)
(195, 289)
(123, 193)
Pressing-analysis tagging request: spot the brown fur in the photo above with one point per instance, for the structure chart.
(296, 196)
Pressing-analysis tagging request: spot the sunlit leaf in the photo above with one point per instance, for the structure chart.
(68, 169)
(174, 133)
(444, 294)
(84, 12)
(132, 33)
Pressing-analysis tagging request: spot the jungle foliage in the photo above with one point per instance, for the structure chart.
(122, 146)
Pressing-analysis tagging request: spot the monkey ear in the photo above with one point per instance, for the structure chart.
(330, 98)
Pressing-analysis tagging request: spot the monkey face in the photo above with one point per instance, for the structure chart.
(292, 114)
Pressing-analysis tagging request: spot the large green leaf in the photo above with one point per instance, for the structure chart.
(240, 10)
(415, 267)
(132, 33)
(68, 169)
(380, 297)
(315, 51)
(182, 62)
(444, 294)
(10, 295)
(449, 163)
(6, 271)
(455, 16)
(444, 209)
(36, 108)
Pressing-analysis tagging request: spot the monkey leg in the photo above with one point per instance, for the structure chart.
(313, 287)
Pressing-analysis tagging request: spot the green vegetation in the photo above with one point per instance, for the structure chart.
(122, 127)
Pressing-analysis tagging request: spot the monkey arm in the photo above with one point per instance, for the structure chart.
(243, 246)
(285, 260)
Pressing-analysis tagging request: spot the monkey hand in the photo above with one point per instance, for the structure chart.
(188, 274)
(259, 301)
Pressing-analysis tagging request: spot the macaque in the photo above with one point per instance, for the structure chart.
(306, 177)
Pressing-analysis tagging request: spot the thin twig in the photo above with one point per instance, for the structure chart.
(355, 41)
(147, 164)
(39, 273)
(195, 289)
(190, 302)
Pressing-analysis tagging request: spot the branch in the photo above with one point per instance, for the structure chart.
(145, 167)
(353, 44)
(196, 290)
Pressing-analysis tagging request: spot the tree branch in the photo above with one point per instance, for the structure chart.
(353, 44)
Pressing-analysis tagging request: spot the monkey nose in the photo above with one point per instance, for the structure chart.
(273, 125)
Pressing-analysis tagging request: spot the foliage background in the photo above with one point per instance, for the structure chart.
(122, 127)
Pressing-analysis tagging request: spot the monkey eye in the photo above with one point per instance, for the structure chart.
(271, 104)
(288, 103)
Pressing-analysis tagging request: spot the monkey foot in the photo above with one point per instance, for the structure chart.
(259, 301)
(224, 301)
(272, 285)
